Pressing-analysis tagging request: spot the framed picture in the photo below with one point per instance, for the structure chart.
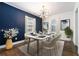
(45, 25)
(65, 23)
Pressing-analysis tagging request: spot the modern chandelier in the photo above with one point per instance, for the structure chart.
(43, 12)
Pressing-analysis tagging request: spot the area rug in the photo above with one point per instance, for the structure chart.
(42, 52)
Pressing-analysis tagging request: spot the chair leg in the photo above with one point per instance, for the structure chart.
(47, 52)
(57, 48)
(55, 51)
(50, 52)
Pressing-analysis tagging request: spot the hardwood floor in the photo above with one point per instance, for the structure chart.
(67, 51)
(12, 52)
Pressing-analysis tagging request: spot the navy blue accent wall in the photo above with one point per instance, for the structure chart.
(39, 25)
(11, 17)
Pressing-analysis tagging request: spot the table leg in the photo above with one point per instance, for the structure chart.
(37, 47)
(28, 45)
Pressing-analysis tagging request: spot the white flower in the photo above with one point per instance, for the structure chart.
(11, 32)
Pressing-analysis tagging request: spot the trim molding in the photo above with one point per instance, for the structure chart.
(3, 46)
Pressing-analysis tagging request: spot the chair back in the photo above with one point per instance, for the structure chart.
(55, 39)
(52, 42)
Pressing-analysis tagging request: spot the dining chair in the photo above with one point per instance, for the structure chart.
(51, 45)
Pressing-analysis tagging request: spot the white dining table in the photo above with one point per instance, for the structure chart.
(37, 38)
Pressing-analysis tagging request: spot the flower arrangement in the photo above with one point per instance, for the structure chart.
(10, 33)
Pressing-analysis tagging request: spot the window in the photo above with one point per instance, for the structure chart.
(53, 25)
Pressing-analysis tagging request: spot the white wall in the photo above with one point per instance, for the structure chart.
(59, 17)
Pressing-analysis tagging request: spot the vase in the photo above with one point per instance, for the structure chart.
(9, 43)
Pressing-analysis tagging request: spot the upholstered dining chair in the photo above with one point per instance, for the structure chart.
(51, 47)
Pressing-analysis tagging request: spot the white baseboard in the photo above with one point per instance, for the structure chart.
(3, 46)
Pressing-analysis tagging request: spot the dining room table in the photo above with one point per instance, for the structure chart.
(36, 37)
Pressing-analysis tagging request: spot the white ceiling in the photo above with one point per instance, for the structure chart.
(36, 7)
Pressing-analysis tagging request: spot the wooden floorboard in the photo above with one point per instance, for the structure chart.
(67, 51)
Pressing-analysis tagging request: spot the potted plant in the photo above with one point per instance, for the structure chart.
(68, 32)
